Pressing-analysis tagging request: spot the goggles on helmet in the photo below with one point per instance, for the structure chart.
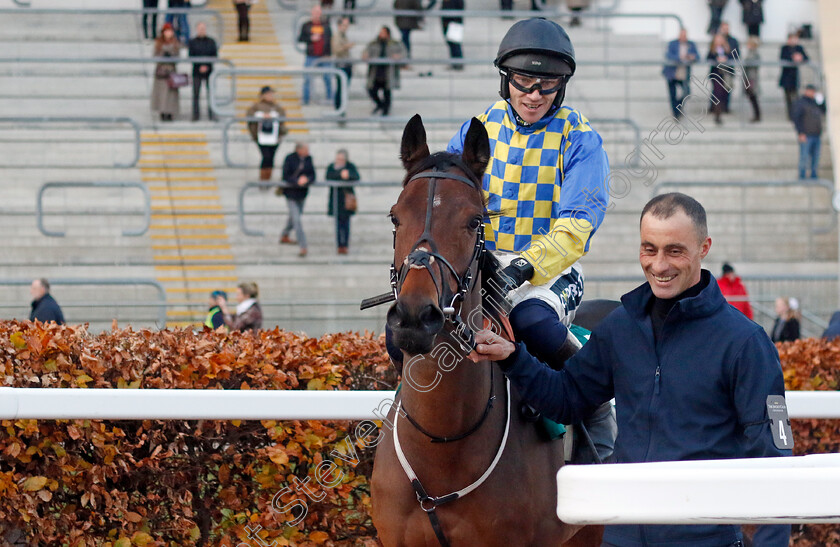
(527, 83)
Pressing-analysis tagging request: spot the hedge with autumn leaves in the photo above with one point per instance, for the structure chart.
(88, 482)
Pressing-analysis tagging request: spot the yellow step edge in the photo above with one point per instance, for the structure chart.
(176, 162)
(198, 152)
(188, 227)
(188, 302)
(145, 144)
(188, 236)
(173, 135)
(179, 179)
(176, 169)
(194, 247)
(207, 290)
(176, 216)
(193, 258)
(186, 198)
(199, 279)
(208, 267)
(187, 208)
(206, 188)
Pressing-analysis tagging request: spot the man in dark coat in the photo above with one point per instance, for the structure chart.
(298, 174)
(753, 16)
(806, 114)
(317, 36)
(791, 52)
(690, 374)
(202, 46)
(44, 306)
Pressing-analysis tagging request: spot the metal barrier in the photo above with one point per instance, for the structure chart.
(22, 4)
(743, 209)
(267, 185)
(161, 303)
(147, 212)
(83, 119)
(398, 121)
(220, 27)
(125, 60)
(234, 72)
(300, 18)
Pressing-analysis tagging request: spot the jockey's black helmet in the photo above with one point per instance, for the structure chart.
(537, 47)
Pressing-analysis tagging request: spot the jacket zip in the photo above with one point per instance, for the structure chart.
(656, 380)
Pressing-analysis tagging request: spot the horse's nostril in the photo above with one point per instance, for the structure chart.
(394, 317)
(431, 318)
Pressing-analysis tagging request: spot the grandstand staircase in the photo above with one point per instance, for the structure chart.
(192, 254)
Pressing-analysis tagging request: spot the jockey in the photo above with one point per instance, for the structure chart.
(546, 186)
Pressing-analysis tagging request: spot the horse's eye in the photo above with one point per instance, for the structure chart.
(475, 223)
(394, 220)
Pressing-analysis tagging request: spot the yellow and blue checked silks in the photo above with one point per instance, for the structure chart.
(546, 186)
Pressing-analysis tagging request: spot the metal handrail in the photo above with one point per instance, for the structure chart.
(300, 18)
(22, 4)
(214, 105)
(101, 11)
(110, 282)
(84, 119)
(637, 131)
(129, 60)
(820, 183)
(147, 212)
(265, 185)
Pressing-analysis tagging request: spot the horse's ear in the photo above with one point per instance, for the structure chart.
(476, 152)
(413, 147)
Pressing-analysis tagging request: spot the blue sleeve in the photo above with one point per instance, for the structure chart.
(456, 143)
(673, 51)
(584, 194)
(565, 396)
(758, 373)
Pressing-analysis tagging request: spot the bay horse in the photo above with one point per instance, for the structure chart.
(458, 467)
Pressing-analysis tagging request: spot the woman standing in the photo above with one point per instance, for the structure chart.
(242, 8)
(753, 16)
(718, 53)
(342, 204)
(164, 97)
(752, 61)
(455, 37)
(248, 316)
(786, 326)
(269, 131)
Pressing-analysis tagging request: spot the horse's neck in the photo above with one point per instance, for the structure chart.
(447, 400)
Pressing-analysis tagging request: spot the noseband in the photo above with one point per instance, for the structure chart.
(422, 258)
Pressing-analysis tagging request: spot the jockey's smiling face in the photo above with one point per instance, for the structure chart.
(671, 252)
(532, 106)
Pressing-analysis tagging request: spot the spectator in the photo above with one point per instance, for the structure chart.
(575, 6)
(786, 325)
(833, 330)
(694, 386)
(807, 113)
(44, 306)
(150, 31)
(298, 174)
(453, 31)
(179, 20)
(342, 170)
(164, 97)
(753, 16)
(734, 291)
(268, 132)
(248, 316)
(215, 316)
(317, 36)
(341, 47)
(716, 7)
(244, 21)
(791, 52)
(752, 60)
(718, 53)
(383, 77)
(734, 50)
(407, 23)
(684, 52)
(202, 46)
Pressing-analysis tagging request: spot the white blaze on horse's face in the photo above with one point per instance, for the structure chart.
(436, 201)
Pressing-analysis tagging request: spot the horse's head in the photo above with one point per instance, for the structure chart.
(438, 221)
